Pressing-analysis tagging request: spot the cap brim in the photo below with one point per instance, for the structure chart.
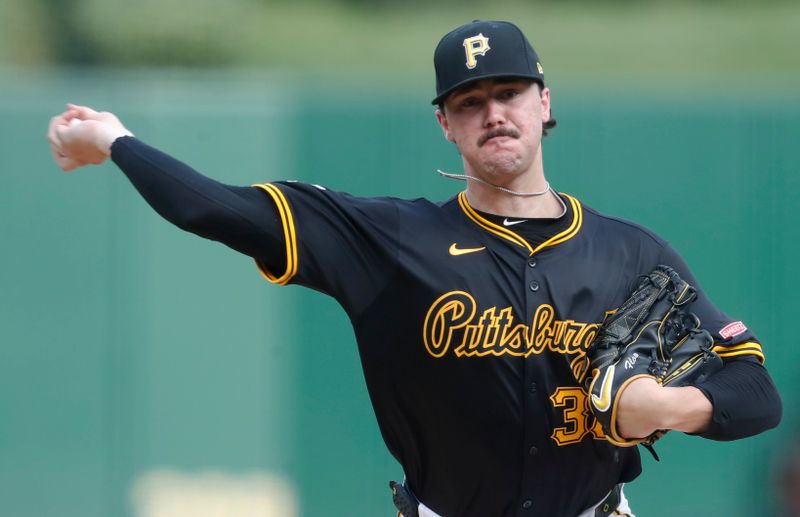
(439, 98)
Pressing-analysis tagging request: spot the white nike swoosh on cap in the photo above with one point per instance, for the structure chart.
(506, 222)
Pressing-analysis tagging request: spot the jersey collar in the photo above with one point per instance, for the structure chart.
(509, 235)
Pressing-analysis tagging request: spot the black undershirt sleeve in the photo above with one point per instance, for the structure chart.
(242, 218)
(745, 401)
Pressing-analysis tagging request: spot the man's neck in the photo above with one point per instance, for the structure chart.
(493, 200)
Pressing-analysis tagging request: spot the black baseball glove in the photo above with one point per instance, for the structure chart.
(651, 335)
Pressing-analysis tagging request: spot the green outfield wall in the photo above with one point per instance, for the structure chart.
(131, 348)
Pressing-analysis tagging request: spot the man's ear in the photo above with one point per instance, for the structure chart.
(545, 96)
(442, 119)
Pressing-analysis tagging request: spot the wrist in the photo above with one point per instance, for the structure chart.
(640, 409)
(108, 136)
(685, 409)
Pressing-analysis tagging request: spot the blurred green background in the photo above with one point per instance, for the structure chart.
(131, 348)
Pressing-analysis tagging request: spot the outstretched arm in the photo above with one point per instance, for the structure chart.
(242, 218)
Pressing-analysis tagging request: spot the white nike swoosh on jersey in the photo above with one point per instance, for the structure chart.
(506, 222)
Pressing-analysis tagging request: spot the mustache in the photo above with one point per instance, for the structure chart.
(500, 131)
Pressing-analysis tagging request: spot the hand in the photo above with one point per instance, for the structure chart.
(645, 407)
(81, 136)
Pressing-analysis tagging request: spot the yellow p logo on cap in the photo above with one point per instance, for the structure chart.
(475, 46)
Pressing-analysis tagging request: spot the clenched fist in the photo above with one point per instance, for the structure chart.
(81, 136)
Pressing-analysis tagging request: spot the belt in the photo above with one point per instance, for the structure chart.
(610, 503)
(407, 503)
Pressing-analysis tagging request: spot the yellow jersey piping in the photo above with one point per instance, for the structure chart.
(505, 233)
(572, 229)
(490, 226)
(750, 347)
(289, 234)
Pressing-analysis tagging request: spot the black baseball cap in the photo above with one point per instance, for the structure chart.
(482, 50)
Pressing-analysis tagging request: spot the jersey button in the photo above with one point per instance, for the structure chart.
(534, 285)
(532, 387)
(532, 262)
(527, 504)
(533, 451)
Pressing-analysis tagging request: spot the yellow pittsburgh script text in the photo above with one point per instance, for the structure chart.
(452, 324)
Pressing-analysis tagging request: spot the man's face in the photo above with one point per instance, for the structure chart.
(496, 124)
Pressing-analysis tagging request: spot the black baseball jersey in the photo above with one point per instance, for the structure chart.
(471, 337)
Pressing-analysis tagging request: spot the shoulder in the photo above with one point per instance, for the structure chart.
(611, 227)
(313, 192)
(315, 197)
(318, 190)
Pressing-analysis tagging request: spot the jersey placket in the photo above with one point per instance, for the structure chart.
(535, 411)
(535, 402)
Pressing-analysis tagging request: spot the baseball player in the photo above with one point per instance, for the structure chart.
(472, 315)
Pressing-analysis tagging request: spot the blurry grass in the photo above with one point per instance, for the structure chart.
(21, 33)
(681, 45)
